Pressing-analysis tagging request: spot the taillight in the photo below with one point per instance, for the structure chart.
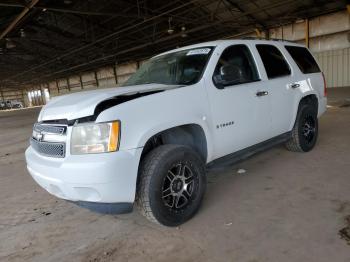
(324, 85)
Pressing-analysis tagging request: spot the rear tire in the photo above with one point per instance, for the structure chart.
(171, 185)
(305, 130)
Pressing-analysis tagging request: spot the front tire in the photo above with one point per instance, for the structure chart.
(172, 182)
(305, 130)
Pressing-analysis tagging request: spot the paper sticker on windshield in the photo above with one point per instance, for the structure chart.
(201, 51)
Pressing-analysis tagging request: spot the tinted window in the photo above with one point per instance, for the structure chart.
(303, 59)
(274, 62)
(238, 59)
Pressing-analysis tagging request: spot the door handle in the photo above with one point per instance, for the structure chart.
(294, 85)
(262, 93)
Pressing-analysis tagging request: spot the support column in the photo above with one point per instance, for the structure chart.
(307, 33)
(58, 89)
(42, 95)
(282, 32)
(81, 82)
(48, 88)
(49, 91)
(23, 98)
(96, 79)
(34, 101)
(30, 98)
(36, 95)
(2, 95)
(68, 85)
(115, 74)
(258, 33)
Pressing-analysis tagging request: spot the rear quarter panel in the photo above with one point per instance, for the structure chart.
(310, 84)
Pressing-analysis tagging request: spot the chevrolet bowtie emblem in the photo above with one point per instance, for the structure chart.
(39, 136)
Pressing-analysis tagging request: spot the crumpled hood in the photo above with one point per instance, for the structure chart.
(81, 104)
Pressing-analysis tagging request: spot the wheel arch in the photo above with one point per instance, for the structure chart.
(308, 98)
(192, 135)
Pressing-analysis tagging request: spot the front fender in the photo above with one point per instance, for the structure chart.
(144, 117)
(165, 126)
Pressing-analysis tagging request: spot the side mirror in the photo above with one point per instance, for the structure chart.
(229, 75)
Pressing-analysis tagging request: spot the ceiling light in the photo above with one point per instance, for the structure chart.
(299, 20)
(10, 44)
(22, 33)
(183, 30)
(170, 29)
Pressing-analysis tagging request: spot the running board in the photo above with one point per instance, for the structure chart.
(243, 154)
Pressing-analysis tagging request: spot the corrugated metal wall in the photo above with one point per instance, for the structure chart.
(106, 77)
(8, 94)
(336, 66)
(329, 40)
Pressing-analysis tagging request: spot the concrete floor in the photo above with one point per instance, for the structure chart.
(286, 207)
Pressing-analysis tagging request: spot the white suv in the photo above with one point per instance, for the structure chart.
(151, 140)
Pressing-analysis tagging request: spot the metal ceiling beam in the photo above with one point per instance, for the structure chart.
(66, 10)
(80, 12)
(13, 24)
(109, 56)
(107, 51)
(131, 58)
(125, 51)
(134, 25)
(75, 58)
(249, 16)
(103, 55)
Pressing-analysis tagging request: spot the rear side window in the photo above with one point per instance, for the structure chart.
(274, 62)
(303, 59)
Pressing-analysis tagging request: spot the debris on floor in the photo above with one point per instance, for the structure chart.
(345, 232)
(241, 171)
(345, 105)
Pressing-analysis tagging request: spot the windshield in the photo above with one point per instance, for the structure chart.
(178, 68)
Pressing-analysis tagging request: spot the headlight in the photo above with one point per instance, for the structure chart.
(95, 138)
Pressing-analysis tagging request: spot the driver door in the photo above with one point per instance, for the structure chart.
(240, 105)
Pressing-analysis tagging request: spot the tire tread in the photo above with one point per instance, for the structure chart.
(148, 165)
(294, 143)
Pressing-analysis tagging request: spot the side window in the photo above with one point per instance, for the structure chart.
(235, 66)
(303, 59)
(274, 62)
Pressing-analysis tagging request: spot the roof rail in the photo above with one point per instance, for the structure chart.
(263, 38)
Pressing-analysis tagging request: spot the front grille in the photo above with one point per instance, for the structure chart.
(49, 148)
(49, 140)
(50, 129)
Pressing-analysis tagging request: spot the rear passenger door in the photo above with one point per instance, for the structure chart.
(279, 80)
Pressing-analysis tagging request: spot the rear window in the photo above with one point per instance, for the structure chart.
(274, 62)
(303, 59)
